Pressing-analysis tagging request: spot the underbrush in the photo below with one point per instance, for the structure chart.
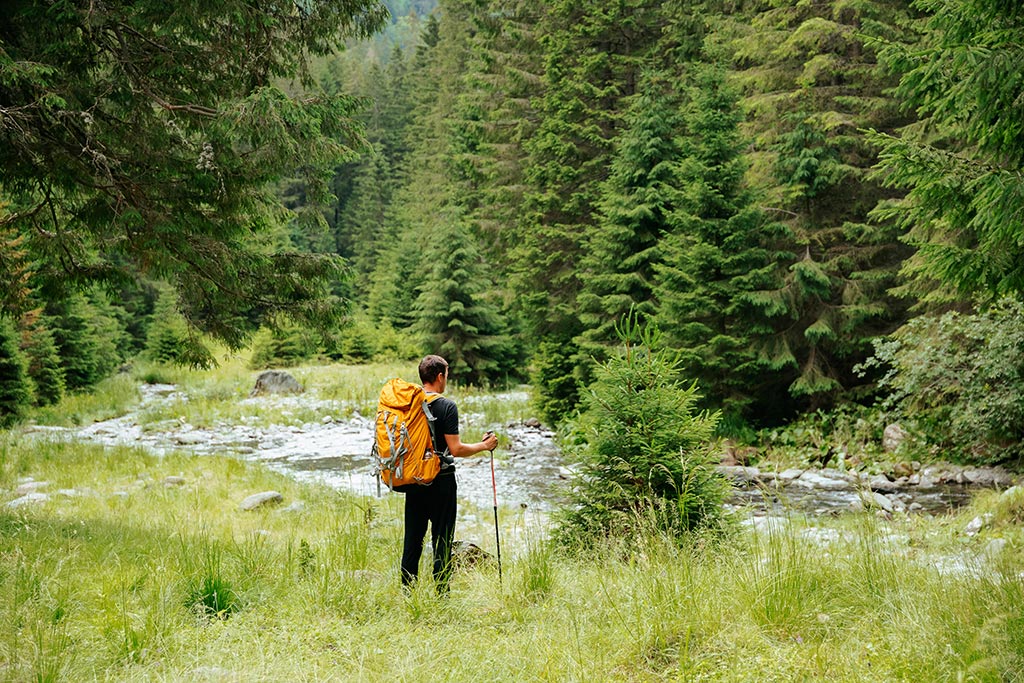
(128, 575)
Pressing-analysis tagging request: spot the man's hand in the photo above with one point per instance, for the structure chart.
(490, 441)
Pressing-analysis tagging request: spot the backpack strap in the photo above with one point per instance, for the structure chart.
(432, 421)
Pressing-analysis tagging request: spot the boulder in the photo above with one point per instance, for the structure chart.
(275, 382)
(466, 554)
(258, 500)
(893, 437)
(532, 423)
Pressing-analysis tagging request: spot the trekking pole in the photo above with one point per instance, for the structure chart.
(497, 537)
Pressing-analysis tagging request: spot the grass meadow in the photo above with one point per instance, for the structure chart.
(126, 575)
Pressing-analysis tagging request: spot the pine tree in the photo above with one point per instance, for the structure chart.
(454, 314)
(717, 256)
(15, 394)
(636, 210)
(811, 82)
(962, 163)
(44, 365)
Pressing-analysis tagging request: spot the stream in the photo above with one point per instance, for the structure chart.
(529, 470)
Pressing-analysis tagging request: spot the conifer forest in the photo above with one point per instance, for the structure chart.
(818, 203)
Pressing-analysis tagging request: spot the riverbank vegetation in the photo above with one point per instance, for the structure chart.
(144, 568)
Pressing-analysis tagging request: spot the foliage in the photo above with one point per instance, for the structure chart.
(44, 365)
(456, 317)
(962, 162)
(960, 379)
(168, 336)
(282, 346)
(810, 82)
(648, 454)
(144, 138)
(15, 387)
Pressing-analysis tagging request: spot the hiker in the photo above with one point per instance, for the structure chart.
(436, 502)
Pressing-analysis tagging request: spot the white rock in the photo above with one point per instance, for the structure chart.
(977, 524)
(893, 437)
(28, 499)
(257, 500)
(30, 487)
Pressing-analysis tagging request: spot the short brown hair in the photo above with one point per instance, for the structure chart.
(431, 367)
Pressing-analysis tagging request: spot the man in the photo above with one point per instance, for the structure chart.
(436, 503)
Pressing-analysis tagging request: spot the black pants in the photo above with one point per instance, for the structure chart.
(435, 504)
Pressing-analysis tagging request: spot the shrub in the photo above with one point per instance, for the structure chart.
(959, 379)
(646, 456)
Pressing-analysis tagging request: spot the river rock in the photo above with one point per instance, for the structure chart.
(992, 477)
(790, 474)
(258, 500)
(903, 469)
(824, 480)
(172, 481)
(191, 438)
(28, 499)
(977, 524)
(874, 499)
(30, 487)
(276, 382)
(738, 473)
(466, 554)
(881, 483)
(532, 423)
(893, 437)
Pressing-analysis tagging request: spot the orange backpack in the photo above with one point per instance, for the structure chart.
(403, 448)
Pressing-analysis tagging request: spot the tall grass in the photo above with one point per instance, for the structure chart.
(131, 579)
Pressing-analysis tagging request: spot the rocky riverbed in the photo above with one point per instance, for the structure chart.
(529, 468)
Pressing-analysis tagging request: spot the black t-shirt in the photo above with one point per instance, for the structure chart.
(446, 421)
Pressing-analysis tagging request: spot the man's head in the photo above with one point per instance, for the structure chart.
(431, 367)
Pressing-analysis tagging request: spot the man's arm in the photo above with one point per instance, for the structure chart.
(463, 450)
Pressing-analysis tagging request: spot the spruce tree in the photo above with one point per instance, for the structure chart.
(963, 163)
(593, 57)
(15, 393)
(454, 314)
(636, 211)
(718, 257)
(811, 81)
(44, 365)
(76, 341)
(168, 335)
